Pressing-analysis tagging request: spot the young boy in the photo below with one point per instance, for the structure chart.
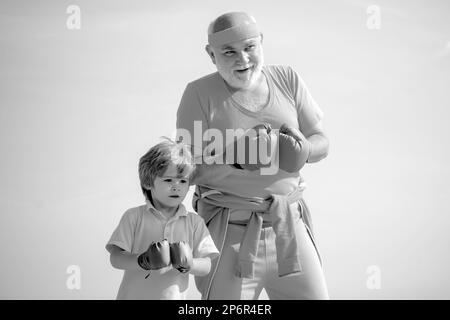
(159, 244)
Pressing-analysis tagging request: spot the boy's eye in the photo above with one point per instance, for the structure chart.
(183, 181)
(228, 53)
(167, 180)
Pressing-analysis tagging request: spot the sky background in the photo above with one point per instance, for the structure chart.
(79, 107)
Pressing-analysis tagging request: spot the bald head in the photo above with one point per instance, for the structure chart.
(231, 27)
(229, 20)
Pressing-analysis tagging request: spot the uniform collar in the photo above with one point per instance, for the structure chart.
(180, 212)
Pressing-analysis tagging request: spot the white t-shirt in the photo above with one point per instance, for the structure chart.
(208, 102)
(142, 225)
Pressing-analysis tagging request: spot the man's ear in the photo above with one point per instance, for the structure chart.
(262, 38)
(210, 53)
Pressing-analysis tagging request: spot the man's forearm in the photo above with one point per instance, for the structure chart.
(319, 147)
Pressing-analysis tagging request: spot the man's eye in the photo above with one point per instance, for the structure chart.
(167, 180)
(251, 47)
(228, 53)
(183, 181)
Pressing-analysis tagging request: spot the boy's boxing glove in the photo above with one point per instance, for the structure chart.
(294, 149)
(156, 257)
(181, 256)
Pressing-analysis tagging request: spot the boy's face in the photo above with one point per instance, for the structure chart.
(169, 190)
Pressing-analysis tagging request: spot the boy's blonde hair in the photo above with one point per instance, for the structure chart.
(155, 162)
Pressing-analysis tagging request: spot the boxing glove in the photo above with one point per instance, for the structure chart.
(181, 256)
(247, 148)
(294, 149)
(156, 257)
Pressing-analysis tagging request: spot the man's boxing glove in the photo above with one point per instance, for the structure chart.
(181, 256)
(156, 257)
(294, 149)
(247, 148)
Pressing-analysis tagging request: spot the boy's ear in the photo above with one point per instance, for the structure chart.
(148, 193)
(210, 53)
(146, 190)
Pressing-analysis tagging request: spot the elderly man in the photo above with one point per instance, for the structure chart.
(259, 222)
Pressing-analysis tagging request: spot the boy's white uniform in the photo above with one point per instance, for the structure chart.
(142, 225)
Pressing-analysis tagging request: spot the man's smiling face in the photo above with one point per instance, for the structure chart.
(239, 63)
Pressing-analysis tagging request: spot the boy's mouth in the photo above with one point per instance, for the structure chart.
(174, 196)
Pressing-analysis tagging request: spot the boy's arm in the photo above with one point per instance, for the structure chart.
(200, 266)
(123, 260)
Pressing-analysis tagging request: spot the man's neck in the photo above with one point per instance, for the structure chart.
(255, 97)
(255, 87)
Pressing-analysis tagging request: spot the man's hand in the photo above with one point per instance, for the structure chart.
(294, 149)
(247, 157)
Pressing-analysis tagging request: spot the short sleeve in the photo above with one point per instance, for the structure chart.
(123, 235)
(309, 112)
(203, 243)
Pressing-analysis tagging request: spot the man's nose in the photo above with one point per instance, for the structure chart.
(243, 57)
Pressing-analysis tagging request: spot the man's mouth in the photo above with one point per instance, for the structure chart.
(243, 70)
(174, 196)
